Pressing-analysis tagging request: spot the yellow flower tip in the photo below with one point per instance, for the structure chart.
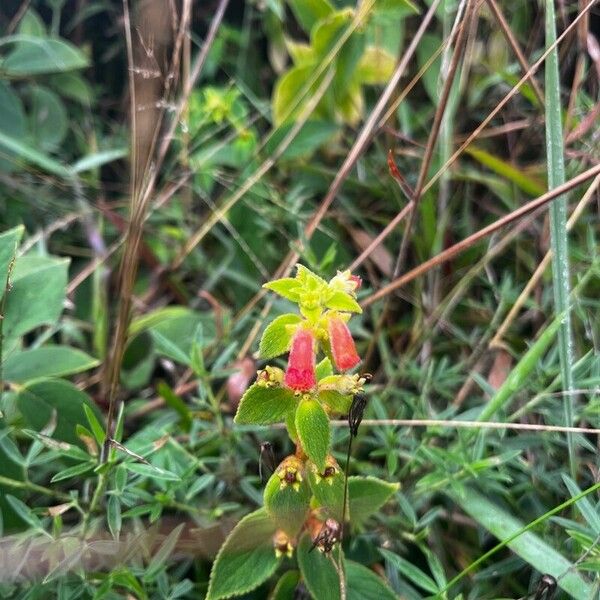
(328, 473)
(289, 473)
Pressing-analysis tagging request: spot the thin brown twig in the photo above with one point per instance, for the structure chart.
(482, 233)
(17, 17)
(502, 129)
(440, 110)
(496, 341)
(128, 265)
(359, 146)
(251, 181)
(381, 236)
(505, 100)
(461, 31)
(451, 424)
(458, 424)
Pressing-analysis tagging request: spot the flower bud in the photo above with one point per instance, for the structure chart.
(282, 544)
(290, 473)
(300, 374)
(346, 282)
(270, 377)
(342, 345)
(237, 383)
(328, 474)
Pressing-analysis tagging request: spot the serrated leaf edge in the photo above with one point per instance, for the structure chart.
(222, 548)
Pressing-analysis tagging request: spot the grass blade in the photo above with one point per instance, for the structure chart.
(514, 534)
(558, 223)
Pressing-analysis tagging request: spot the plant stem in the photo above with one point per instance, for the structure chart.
(33, 487)
(558, 224)
(95, 501)
(339, 568)
(7, 286)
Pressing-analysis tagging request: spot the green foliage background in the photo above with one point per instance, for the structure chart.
(180, 472)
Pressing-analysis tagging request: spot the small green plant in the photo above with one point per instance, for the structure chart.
(355, 42)
(306, 499)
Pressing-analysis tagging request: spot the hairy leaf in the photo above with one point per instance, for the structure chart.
(262, 405)
(246, 559)
(312, 424)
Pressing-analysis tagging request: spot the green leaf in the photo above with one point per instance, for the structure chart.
(48, 119)
(318, 572)
(527, 545)
(290, 425)
(37, 294)
(46, 361)
(351, 106)
(375, 67)
(302, 54)
(150, 471)
(286, 287)
(559, 234)
(410, 571)
(335, 402)
(313, 429)
(246, 559)
(159, 560)
(585, 507)
(327, 32)
(427, 46)
(73, 471)
(32, 156)
(174, 330)
(98, 159)
(347, 61)
(95, 425)
(261, 405)
(530, 185)
(324, 369)
(45, 399)
(404, 7)
(24, 512)
(519, 376)
(8, 249)
(11, 466)
(113, 515)
(364, 584)
(73, 86)
(328, 491)
(311, 136)
(276, 338)
(177, 404)
(32, 24)
(35, 55)
(367, 495)
(286, 505)
(308, 12)
(13, 122)
(342, 301)
(308, 280)
(286, 586)
(291, 93)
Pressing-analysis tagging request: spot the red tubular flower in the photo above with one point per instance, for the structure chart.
(300, 374)
(342, 345)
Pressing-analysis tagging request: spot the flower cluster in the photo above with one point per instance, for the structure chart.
(326, 308)
(307, 485)
(307, 498)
